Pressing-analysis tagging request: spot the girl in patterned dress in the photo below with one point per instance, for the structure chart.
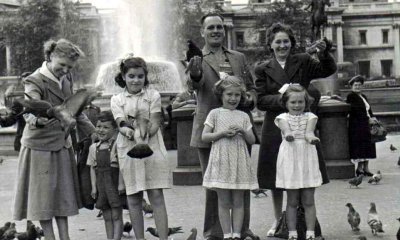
(151, 174)
(104, 175)
(229, 171)
(297, 168)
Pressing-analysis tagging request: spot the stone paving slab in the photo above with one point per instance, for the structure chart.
(185, 204)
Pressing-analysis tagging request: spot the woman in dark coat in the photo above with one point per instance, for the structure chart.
(284, 67)
(361, 147)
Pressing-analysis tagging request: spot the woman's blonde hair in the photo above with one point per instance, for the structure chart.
(62, 48)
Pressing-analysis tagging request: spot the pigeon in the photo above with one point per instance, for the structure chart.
(356, 181)
(362, 238)
(259, 191)
(353, 217)
(141, 149)
(127, 228)
(10, 233)
(1, 160)
(40, 232)
(100, 214)
(373, 220)
(398, 232)
(36, 107)
(30, 234)
(147, 208)
(192, 51)
(193, 235)
(376, 178)
(398, 162)
(392, 148)
(4, 228)
(154, 232)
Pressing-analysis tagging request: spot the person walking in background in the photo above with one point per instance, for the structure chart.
(47, 181)
(360, 117)
(229, 171)
(151, 174)
(203, 73)
(104, 175)
(297, 167)
(284, 67)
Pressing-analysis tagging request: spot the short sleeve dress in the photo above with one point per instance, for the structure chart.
(229, 166)
(297, 164)
(147, 173)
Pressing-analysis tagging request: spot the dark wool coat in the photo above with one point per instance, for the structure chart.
(359, 135)
(270, 77)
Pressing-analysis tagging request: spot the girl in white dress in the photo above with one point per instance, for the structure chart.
(151, 174)
(229, 171)
(297, 168)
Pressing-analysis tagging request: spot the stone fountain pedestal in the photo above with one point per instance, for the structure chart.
(188, 170)
(334, 137)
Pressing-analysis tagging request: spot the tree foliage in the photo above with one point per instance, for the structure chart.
(26, 29)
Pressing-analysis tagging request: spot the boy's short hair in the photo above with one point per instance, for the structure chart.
(106, 116)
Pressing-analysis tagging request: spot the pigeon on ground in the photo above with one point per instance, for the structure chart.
(356, 181)
(376, 178)
(362, 238)
(4, 228)
(30, 234)
(1, 160)
(193, 235)
(353, 217)
(373, 220)
(40, 232)
(392, 148)
(259, 191)
(100, 214)
(398, 162)
(398, 232)
(127, 228)
(147, 208)
(10, 233)
(193, 50)
(173, 230)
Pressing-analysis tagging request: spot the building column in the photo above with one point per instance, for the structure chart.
(229, 35)
(329, 31)
(8, 60)
(339, 40)
(396, 43)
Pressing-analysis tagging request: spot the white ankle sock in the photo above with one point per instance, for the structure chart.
(236, 235)
(227, 235)
(310, 234)
(292, 234)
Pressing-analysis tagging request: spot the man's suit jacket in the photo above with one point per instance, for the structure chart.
(206, 99)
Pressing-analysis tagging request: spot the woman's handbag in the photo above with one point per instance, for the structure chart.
(282, 230)
(378, 132)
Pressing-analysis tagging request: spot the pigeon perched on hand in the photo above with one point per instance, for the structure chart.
(356, 181)
(192, 51)
(192, 235)
(392, 148)
(173, 230)
(373, 220)
(376, 178)
(353, 217)
(127, 228)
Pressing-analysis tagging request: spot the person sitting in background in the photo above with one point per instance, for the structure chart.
(184, 98)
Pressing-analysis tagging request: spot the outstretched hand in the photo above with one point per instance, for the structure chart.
(195, 67)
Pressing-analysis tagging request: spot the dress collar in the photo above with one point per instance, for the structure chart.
(127, 94)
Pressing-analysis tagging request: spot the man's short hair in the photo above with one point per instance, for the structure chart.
(210, 14)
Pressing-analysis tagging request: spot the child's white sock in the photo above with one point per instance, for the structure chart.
(227, 235)
(310, 234)
(236, 235)
(293, 234)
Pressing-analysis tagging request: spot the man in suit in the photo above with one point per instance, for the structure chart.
(204, 72)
